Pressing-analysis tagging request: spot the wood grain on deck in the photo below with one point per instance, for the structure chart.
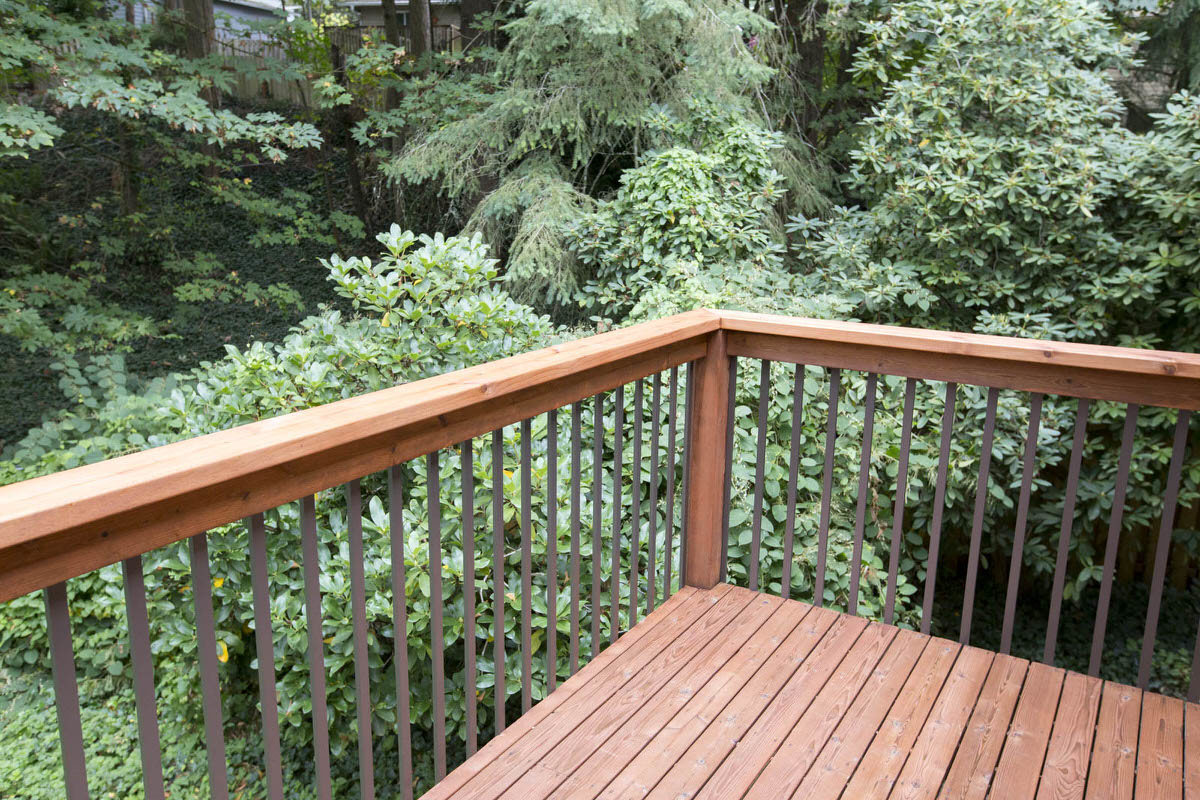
(728, 693)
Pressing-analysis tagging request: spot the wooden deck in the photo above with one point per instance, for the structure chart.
(727, 693)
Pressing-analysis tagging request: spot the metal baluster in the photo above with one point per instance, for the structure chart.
(981, 489)
(66, 692)
(597, 515)
(835, 378)
(576, 503)
(400, 624)
(1014, 568)
(1064, 533)
(467, 454)
(789, 532)
(760, 462)
(672, 443)
(635, 548)
(143, 676)
(1167, 527)
(655, 430)
(910, 393)
(864, 474)
(939, 507)
(526, 566)
(206, 652)
(436, 628)
(498, 645)
(362, 675)
(1114, 535)
(614, 577)
(316, 645)
(264, 641)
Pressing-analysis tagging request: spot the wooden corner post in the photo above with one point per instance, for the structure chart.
(707, 458)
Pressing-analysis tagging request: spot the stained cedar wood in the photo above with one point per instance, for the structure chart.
(666, 749)
(797, 749)
(637, 762)
(1160, 749)
(785, 697)
(971, 772)
(681, 606)
(59, 526)
(879, 766)
(1114, 753)
(1025, 747)
(646, 701)
(833, 768)
(932, 753)
(1064, 775)
(721, 744)
(696, 622)
(63, 525)
(707, 456)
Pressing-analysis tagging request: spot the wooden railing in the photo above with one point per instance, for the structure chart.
(55, 528)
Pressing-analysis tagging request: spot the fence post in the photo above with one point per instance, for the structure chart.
(706, 464)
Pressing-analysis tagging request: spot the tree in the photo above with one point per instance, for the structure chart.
(576, 89)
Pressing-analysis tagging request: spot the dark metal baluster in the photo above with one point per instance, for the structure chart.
(672, 443)
(66, 692)
(206, 652)
(316, 645)
(138, 619)
(1014, 566)
(689, 416)
(655, 430)
(436, 629)
(358, 608)
(910, 393)
(551, 550)
(981, 489)
(500, 690)
(1167, 527)
(731, 404)
(614, 578)
(760, 462)
(635, 548)
(939, 507)
(835, 380)
(467, 453)
(400, 623)
(264, 642)
(1064, 532)
(1114, 535)
(597, 515)
(526, 566)
(789, 532)
(576, 503)
(864, 474)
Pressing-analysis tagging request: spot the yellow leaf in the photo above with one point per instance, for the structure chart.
(218, 583)
(387, 320)
(923, 142)
(329, 640)
(223, 656)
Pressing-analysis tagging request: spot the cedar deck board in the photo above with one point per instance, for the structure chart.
(855, 710)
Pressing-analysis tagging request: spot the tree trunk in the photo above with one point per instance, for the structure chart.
(809, 70)
(348, 116)
(420, 34)
(472, 35)
(127, 169)
(391, 23)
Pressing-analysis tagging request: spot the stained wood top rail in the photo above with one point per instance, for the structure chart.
(63, 525)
